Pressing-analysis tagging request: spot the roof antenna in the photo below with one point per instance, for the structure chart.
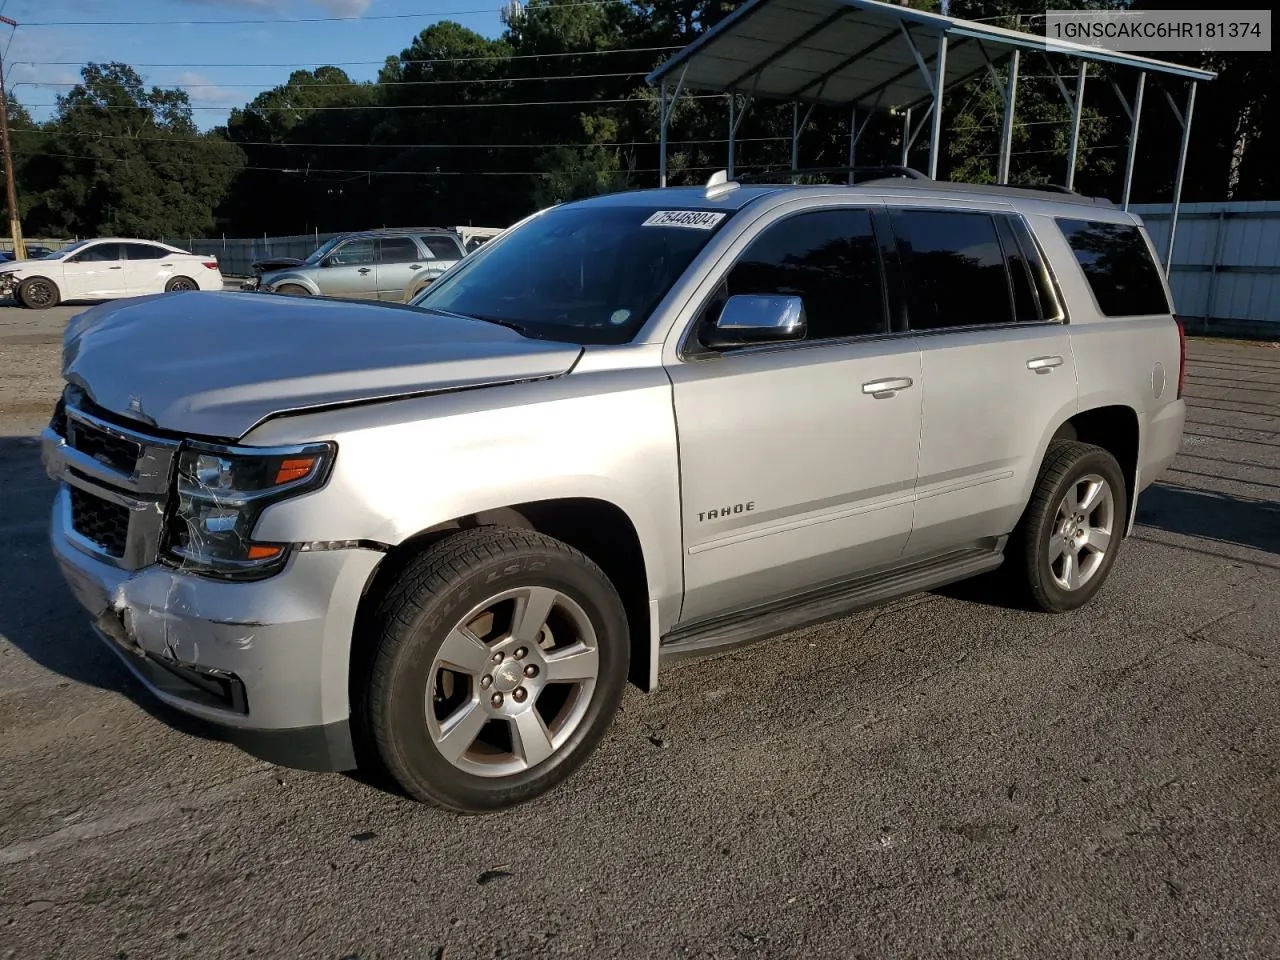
(719, 185)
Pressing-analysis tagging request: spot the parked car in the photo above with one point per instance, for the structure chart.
(370, 265)
(106, 269)
(632, 429)
(34, 252)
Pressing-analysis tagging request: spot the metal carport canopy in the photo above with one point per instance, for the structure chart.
(867, 55)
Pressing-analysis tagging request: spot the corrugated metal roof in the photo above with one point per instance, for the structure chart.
(844, 52)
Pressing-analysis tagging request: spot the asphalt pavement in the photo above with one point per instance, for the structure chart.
(941, 777)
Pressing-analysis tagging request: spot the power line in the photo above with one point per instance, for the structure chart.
(371, 84)
(386, 146)
(401, 106)
(378, 63)
(488, 11)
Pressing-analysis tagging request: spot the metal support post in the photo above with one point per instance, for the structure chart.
(906, 136)
(662, 135)
(795, 136)
(1077, 107)
(853, 139)
(733, 126)
(1185, 120)
(1135, 116)
(939, 82)
(1010, 101)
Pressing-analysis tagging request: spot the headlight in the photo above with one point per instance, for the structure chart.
(221, 492)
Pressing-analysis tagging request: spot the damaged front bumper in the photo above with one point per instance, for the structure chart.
(265, 662)
(8, 285)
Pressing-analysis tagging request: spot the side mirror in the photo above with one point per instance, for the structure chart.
(753, 318)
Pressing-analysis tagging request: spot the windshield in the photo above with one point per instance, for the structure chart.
(320, 251)
(581, 274)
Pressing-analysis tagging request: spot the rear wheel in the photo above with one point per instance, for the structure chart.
(501, 658)
(1066, 543)
(38, 293)
(180, 285)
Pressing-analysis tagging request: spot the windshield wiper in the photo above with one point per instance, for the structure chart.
(509, 324)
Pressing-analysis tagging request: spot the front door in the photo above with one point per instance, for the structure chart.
(798, 461)
(147, 268)
(95, 273)
(997, 360)
(350, 271)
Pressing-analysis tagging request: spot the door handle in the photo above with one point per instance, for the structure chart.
(415, 266)
(115, 268)
(1044, 364)
(883, 389)
(363, 270)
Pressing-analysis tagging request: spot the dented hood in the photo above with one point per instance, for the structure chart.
(216, 364)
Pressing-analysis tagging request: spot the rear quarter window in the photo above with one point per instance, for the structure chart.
(1117, 265)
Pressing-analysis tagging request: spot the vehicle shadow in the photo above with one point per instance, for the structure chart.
(1212, 516)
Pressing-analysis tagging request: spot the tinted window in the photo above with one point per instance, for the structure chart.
(355, 252)
(830, 260)
(1114, 257)
(144, 251)
(99, 252)
(397, 250)
(442, 248)
(1026, 309)
(1046, 287)
(582, 274)
(955, 269)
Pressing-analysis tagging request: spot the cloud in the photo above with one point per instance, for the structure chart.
(336, 8)
(206, 94)
(344, 8)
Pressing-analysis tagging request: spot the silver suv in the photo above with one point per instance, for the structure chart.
(441, 537)
(391, 265)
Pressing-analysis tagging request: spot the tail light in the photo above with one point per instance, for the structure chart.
(1182, 355)
(211, 264)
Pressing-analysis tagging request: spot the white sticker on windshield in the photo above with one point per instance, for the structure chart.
(689, 219)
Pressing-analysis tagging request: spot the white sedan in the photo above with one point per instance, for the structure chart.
(107, 269)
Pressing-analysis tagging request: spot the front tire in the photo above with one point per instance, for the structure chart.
(501, 657)
(38, 293)
(1066, 543)
(292, 290)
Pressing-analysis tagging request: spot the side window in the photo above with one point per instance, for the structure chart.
(1026, 305)
(955, 269)
(99, 253)
(442, 248)
(144, 251)
(1117, 264)
(353, 253)
(830, 259)
(1046, 286)
(398, 250)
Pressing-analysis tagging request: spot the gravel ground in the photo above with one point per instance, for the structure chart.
(936, 778)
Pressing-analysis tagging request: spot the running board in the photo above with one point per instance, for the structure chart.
(734, 630)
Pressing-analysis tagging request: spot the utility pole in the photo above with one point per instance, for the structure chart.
(15, 227)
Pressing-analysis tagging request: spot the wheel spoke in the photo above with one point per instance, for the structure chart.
(531, 614)
(464, 650)
(1098, 540)
(1093, 496)
(460, 729)
(1056, 549)
(1071, 570)
(1070, 502)
(530, 738)
(579, 662)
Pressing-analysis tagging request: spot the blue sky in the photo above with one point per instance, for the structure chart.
(222, 64)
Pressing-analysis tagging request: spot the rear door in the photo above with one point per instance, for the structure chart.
(445, 252)
(399, 260)
(350, 270)
(95, 273)
(147, 268)
(997, 364)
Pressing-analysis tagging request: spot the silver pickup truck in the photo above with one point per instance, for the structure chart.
(441, 537)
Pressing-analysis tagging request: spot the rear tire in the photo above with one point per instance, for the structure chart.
(501, 656)
(180, 285)
(1064, 546)
(38, 293)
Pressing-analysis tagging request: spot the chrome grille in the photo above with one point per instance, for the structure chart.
(115, 482)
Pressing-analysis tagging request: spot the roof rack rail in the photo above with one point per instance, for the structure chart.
(780, 176)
